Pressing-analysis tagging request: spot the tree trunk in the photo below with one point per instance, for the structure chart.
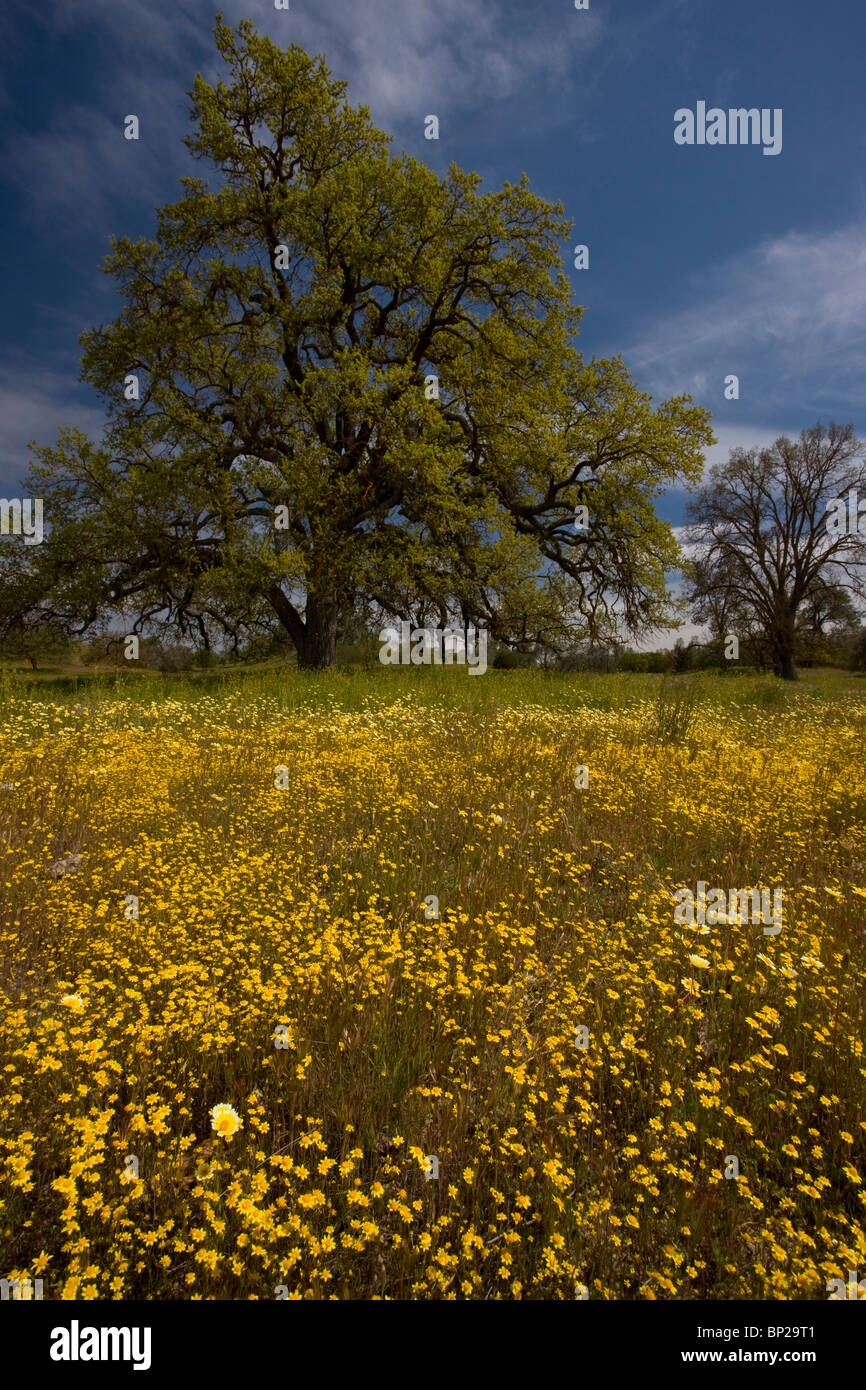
(315, 635)
(317, 650)
(788, 670)
(783, 656)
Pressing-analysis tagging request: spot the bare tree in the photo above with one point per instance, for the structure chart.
(764, 541)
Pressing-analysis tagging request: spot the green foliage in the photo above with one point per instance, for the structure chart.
(508, 660)
(857, 657)
(655, 662)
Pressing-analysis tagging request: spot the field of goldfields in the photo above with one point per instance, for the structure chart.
(355, 986)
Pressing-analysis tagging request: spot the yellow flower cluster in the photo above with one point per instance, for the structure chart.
(235, 1038)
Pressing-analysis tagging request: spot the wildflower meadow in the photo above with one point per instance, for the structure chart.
(372, 985)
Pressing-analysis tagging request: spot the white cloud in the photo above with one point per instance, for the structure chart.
(788, 316)
(82, 165)
(404, 58)
(392, 52)
(460, 53)
(33, 403)
(742, 437)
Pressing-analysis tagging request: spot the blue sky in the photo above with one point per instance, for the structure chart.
(704, 260)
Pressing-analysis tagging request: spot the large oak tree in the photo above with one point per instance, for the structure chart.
(357, 386)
